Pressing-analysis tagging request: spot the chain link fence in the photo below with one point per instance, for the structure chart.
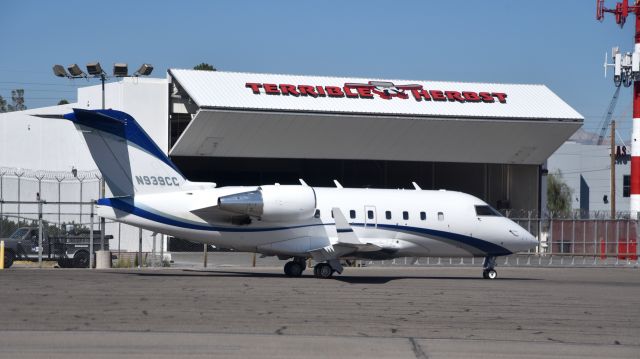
(52, 214)
(59, 207)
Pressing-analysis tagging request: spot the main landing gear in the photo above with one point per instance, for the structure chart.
(295, 267)
(323, 270)
(489, 268)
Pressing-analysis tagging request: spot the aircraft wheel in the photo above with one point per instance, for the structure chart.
(295, 269)
(323, 270)
(287, 268)
(489, 274)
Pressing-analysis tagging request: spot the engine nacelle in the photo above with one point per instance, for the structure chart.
(273, 203)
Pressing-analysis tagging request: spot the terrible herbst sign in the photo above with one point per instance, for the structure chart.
(373, 89)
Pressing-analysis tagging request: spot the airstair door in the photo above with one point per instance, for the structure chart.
(370, 217)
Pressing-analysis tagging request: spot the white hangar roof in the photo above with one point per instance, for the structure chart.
(291, 116)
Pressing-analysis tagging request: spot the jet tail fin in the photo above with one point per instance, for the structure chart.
(130, 161)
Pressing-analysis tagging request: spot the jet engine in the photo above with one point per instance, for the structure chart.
(273, 203)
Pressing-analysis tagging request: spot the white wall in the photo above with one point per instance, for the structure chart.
(144, 99)
(42, 143)
(593, 163)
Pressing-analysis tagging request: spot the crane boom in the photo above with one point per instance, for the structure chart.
(607, 118)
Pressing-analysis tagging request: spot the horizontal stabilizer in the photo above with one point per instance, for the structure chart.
(59, 117)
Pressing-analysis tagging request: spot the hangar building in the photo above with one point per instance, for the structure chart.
(485, 139)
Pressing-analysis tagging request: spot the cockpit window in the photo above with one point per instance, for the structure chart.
(487, 211)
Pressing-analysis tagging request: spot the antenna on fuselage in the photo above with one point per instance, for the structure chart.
(302, 182)
(415, 185)
(338, 185)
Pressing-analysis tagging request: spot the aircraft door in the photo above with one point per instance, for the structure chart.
(370, 217)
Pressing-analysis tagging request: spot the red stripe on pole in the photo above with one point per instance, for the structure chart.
(635, 175)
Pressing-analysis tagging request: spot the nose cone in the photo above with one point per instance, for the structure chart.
(532, 241)
(523, 240)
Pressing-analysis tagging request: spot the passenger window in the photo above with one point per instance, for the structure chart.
(370, 214)
(440, 216)
(405, 215)
(487, 211)
(387, 214)
(317, 215)
(423, 216)
(352, 214)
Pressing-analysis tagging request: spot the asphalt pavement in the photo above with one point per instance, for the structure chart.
(376, 312)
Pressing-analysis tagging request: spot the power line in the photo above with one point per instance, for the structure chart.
(39, 83)
(38, 90)
(42, 98)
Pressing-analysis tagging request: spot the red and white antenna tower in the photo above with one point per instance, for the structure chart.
(627, 70)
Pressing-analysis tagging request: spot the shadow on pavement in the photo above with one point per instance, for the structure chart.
(342, 278)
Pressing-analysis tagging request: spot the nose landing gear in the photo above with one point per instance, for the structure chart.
(488, 268)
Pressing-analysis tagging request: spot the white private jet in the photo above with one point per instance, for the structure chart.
(294, 222)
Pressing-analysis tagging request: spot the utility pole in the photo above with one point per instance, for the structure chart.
(627, 72)
(613, 170)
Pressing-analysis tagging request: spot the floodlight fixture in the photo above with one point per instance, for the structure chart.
(75, 71)
(120, 70)
(94, 69)
(144, 70)
(59, 71)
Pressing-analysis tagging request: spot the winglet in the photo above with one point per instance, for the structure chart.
(346, 235)
(415, 185)
(338, 185)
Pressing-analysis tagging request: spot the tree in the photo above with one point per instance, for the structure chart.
(204, 67)
(63, 102)
(558, 194)
(17, 99)
(3, 104)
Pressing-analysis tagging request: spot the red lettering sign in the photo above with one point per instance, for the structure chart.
(381, 89)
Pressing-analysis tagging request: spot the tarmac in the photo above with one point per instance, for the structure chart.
(375, 312)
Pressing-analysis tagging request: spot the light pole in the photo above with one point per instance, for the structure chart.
(94, 70)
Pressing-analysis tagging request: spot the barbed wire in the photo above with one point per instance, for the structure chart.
(50, 175)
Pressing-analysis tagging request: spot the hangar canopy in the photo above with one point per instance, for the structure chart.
(287, 116)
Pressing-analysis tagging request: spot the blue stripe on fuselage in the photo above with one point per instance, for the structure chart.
(127, 205)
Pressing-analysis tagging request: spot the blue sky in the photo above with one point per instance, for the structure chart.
(556, 43)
